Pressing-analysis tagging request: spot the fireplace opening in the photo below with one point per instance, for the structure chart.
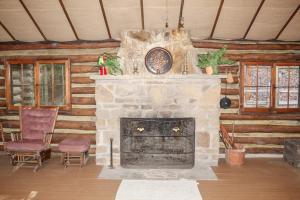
(157, 142)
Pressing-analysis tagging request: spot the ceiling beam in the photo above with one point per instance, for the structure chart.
(180, 13)
(206, 44)
(33, 20)
(243, 45)
(217, 18)
(7, 31)
(6, 46)
(69, 19)
(253, 18)
(105, 19)
(287, 22)
(142, 13)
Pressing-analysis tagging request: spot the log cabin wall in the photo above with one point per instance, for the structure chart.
(80, 121)
(261, 134)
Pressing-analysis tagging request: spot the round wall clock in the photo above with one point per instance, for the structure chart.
(158, 60)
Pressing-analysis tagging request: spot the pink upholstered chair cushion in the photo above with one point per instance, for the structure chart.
(74, 145)
(35, 122)
(26, 145)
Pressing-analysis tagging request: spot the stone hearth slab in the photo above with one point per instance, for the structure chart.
(158, 190)
(196, 173)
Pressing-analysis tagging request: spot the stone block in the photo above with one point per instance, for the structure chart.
(202, 139)
(103, 94)
(102, 149)
(101, 161)
(146, 107)
(130, 106)
(165, 114)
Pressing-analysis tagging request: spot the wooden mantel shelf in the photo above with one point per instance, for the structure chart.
(156, 77)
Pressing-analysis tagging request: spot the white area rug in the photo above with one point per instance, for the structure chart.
(158, 190)
(196, 173)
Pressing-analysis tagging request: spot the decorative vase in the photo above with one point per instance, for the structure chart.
(102, 70)
(209, 70)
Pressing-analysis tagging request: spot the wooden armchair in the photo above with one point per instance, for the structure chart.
(31, 146)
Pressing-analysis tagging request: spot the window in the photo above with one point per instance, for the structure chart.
(270, 87)
(38, 83)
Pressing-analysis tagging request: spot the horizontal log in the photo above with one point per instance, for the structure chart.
(263, 56)
(2, 93)
(79, 112)
(73, 112)
(79, 125)
(235, 80)
(245, 46)
(229, 91)
(58, 137)
(82, 80)
(252, 128)
(84, 58)
(234, 69)
(83, 90)
(233, 116)
(2, 82)
(2, 103)
(234, 103)
(84, 69)
(75, 125)
(262, 140)
(2, 72)
(73, 58)
(259, 150)
(83, 101)
(5, 46)
(241, 45)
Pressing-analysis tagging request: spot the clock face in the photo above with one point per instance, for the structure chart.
(158, 60)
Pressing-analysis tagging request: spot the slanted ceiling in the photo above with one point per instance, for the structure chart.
(69, 20)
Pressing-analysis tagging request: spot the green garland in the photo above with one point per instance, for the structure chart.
(213, 59)
(112, 63)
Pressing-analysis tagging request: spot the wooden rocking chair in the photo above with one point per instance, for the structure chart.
(31, 146)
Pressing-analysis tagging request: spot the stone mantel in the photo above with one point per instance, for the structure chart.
(156, 77)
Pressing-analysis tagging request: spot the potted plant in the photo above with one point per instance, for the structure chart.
(109, 64)
(211, 61)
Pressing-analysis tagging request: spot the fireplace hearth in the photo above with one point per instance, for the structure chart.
(157, 142)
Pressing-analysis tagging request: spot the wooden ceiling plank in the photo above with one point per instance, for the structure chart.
(180, 13)
(216, 19)
(68, 18)
(142, 13)
(33, 20)
(287, 22)
(105, 19)
(7, 31)
(253, 18)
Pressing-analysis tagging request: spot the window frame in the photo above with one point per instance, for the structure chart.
(271, 108)
(36, 63)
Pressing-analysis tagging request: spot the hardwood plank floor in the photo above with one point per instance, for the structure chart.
(259, 179)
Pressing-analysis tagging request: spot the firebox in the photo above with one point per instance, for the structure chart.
(157, 142)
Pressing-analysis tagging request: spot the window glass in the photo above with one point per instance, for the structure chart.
(52, 90)
(257, 86)
(287, 87)
(22, 84)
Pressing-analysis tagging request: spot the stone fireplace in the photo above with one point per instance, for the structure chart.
(158, 96)
(171, 95)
